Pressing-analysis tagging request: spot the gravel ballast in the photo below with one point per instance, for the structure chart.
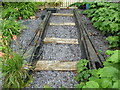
(63, 52)
(61, 19)
(60, 52)
(62, 32)
(27, 34)
(66, 11)
(54, 79)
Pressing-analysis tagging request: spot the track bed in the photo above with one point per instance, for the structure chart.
(60, 52)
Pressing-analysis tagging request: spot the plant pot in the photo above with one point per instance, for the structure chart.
(53, 10)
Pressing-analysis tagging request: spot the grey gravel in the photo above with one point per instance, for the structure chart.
(61, 52)
(53, 79)
(62, 19)
(66, 11)
(62, 32)
(28, 33)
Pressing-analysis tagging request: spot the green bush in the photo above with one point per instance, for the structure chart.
(106, 77)
(113, 41)
(10, 27)
(82, 71)
(105, 17)
(19, 9)
(14, 72)
(77, 4)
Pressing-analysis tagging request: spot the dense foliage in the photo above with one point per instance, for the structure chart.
(105, 17)
(106, 77)
(14, 72)
(9, 28)
(77, 4)
(11, 13)
(19, 9)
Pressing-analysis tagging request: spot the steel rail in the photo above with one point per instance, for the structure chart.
(85, 42)
(37, 39)
(87, 45)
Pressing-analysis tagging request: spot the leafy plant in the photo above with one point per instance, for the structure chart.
(9, 12)
(105, 17)
(19, 9)
(13, 71)
(77, 4)
(113, 41)
(106, 77)
(10, 27)
(82, 71)
(47, 86)
(14, 68)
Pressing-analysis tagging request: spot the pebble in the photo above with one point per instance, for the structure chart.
(58, 79)
(54, 79)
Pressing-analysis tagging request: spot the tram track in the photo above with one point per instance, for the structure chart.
(88, 50)
(83, 37)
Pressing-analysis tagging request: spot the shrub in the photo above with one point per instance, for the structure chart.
(13, 71)
(19, 9)
(105, 17)
(106, 77)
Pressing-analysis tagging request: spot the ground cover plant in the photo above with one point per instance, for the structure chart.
(19, 10)
(14, 68)
(106, 77)
(10, 27)
(105, 17)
